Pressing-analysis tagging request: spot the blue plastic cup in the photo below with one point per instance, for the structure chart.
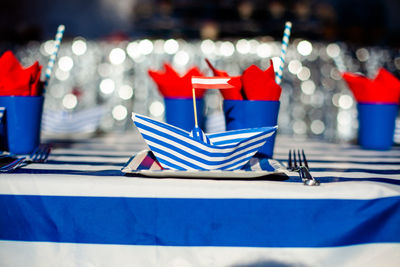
(179, 112)
(243, 114)
(376, 123)
(21, 123)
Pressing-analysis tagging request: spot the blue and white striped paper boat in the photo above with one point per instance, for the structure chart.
(177, 149)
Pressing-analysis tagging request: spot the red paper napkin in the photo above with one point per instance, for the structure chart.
(16, 80)
(228, 94)
(260, 85)
(172, 85)
(384, 88)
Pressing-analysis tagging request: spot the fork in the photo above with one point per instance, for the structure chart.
(300, 165)
(39, 155)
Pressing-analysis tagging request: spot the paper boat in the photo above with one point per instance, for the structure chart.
(177, 149)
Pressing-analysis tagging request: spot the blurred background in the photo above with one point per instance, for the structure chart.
(108, 46)
(363, 22)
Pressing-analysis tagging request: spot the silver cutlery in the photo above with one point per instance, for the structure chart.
(298, 163)
(10, 162)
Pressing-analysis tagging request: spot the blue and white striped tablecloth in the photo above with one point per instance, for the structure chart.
(79, 210)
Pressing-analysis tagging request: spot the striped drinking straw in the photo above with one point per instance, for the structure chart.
(285, 42)
(52, 60)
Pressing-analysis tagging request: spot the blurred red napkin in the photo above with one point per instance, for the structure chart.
(16, 80)
(260, 85)
(384, 88)
(172, 85)
(228, 94)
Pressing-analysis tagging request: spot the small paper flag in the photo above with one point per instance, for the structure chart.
(212, 82)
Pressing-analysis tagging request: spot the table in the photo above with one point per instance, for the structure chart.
(79, 210)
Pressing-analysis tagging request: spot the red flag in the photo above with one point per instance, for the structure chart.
(199, 82)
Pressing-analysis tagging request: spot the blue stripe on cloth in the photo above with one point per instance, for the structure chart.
(200, 222)
(76, 162)
(349, 170)
(111, 172)
(295, 178)
(335, 179)
(396, 163)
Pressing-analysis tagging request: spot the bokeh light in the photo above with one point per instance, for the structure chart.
(69, 101)
(308, 87)
(107, 86)
(171, 46)
(207, 47)
(362, 54)
(243, 46)
(226, 49)
(48, 47)
(133, 50)
(156, 109)
(345, 101)
(304, 48)
(317, 127)
(125, 92)
(62, 75)
(119, 112)
(299, 127)
(145, 47)
(65, 63)
(79, 46)
(117, 56)
(181, 58)
(304, 74)
(264, 50)
(333, 50)
(294, 66)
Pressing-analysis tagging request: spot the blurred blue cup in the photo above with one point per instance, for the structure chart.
(376, 123)
(21, 123)
(179, 112)
(243, 114)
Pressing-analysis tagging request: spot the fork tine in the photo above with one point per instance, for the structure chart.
(305, 159)
(290, 163)
(33, 154)
(298, 154)
(37, 153)
(294, 159)
(44, 153)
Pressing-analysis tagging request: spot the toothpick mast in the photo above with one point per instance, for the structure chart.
(194, 108)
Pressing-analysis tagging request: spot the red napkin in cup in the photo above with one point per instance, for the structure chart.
(16, 80)
(228, 94)
(172, 85)
(384, 88)
(261, 85)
